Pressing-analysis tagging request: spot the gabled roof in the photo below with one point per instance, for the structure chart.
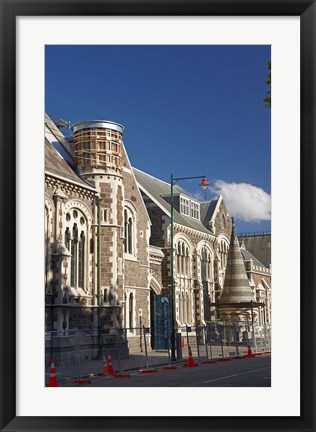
(259, 246)
(64, 146)
(207, 209)
(55, 164)
(248, 256)
(157, 189)
(58, 157)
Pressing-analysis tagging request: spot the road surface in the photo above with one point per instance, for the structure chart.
(247, 372)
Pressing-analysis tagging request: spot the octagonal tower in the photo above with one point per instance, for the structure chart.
(98, 147)
(98, 152)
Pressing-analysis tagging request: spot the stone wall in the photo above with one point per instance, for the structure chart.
(136, 267)
(219, 228)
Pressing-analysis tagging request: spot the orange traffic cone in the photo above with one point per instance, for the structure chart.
(111, 370)
(105, 369)
(52, 379)
(250, 353)
(190, 359)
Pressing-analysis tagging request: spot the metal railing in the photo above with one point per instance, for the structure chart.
(146, 347)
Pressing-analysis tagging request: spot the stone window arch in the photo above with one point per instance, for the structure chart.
(130, 312)
(183, 270)
(183, 258)
(223, 247)
(76, 241)
(49, 237)
(129, 230)
(206, 263)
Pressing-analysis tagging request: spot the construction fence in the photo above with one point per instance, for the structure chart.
(145, 347)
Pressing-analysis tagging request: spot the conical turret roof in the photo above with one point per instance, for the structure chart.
(236, 285)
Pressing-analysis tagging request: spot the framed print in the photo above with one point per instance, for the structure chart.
(42, 44)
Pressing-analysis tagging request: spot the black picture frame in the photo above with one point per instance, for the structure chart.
(10, 9)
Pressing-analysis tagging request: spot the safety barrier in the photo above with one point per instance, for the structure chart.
(147, 349)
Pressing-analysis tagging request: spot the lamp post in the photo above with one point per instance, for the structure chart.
(204, 183)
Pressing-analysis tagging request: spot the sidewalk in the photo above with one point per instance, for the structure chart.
(135, 362)
(94, 367)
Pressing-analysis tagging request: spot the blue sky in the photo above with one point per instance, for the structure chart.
(191, 110)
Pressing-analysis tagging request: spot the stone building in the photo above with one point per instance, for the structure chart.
(107, 239)
(259, 276)
(259, 245)
(201, 243)
(97, 232)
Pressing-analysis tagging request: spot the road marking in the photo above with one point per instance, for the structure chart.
(231, 376)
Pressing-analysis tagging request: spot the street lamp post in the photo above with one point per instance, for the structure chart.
(204, 183)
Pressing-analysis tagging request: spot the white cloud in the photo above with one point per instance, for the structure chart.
(244, 201)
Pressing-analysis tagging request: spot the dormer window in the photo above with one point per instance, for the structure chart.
(195, 210)
(184, 206)
(189, 208)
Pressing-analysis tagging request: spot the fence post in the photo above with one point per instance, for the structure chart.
(118, 350)
(205, 341)
(77, 352)
(237, 339)
(197, 341)
(220, 334)
(51, 345)
(145, 344)
(140, 335)
(209, 335)
(188, 341)
(254, 337)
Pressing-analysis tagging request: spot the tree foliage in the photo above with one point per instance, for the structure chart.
(267, 99)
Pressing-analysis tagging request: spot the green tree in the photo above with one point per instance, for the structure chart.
(267, 99)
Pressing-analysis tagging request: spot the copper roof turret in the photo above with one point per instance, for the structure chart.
(236, 285)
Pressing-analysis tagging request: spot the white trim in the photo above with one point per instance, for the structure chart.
(65, 179)
(136, 287)
(154, 285)
(219, 201)
(80, 205)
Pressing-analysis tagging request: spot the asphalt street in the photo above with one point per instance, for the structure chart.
(247, 372)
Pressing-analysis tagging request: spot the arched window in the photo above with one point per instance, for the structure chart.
(184, 274)
(182, 259)
(129, 312)
(75, 241)
(205, 264)
(129, 232)
(223, 222)
(223, 248)
(47, 248)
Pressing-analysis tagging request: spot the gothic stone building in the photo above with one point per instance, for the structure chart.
(201, 243)
(97, 232)
(107, 238)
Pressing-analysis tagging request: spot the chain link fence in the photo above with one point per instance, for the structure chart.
(148, 347)
(220, 339)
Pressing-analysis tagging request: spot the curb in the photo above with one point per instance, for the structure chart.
(163, 366)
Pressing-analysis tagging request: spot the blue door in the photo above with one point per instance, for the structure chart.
(163, 305)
